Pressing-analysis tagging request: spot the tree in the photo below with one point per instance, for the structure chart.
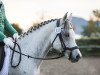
(89, 28)
(93, 27)
(96, 13)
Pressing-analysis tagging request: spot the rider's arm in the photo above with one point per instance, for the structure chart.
(2, 36)
(9, 27)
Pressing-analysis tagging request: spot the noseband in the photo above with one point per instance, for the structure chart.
(62, 41)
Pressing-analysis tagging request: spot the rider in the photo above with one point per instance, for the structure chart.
(5, 41)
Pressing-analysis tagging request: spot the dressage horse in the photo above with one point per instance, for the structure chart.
(36, 42)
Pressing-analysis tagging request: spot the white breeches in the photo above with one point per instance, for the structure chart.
(5, 67)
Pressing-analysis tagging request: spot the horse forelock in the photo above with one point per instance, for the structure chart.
(34, 28)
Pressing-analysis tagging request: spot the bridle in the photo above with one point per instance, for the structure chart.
(61, 54)
(62, 41)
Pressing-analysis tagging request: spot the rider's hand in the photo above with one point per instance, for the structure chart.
(8, 42)
(15, 36)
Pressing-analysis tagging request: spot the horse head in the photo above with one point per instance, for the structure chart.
(65, 42)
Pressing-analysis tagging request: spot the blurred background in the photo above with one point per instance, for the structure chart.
(23, 14)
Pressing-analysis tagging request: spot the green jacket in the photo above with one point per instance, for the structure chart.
(4, 24)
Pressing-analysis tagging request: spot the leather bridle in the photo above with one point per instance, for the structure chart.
(62, 53)
(62, 41)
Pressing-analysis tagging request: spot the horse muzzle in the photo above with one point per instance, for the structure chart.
(74, 59)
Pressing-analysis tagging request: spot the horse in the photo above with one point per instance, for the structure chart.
(34, 44)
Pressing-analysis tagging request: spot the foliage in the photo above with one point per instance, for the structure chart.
(96, 13)
(90, 28)
(93, 27)
(89, 42)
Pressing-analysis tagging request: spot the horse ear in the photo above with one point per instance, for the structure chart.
(65, 16)
(70, 17)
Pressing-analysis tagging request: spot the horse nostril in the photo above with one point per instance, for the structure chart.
(78, 56)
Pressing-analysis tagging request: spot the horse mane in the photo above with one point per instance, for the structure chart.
(34, 28)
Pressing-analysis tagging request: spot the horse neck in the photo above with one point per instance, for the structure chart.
(37, 42)
(34, 44)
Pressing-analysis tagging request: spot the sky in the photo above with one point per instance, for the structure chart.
(25, 12)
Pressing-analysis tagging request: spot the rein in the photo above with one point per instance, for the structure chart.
(62, 54)
(28, 56)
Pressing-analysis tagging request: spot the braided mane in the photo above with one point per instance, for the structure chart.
(34, 28)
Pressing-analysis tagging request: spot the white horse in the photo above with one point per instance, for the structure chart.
(37, 41)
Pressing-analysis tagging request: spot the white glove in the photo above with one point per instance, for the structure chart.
(8, 42)
(16, 36)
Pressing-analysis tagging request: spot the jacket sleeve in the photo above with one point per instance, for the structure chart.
(2, 36)
(9, 27)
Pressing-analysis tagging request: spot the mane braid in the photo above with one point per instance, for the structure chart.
(34, 28)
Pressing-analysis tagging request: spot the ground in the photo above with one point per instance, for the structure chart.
(86, 66)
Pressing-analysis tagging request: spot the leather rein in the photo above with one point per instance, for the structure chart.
(61, 54)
